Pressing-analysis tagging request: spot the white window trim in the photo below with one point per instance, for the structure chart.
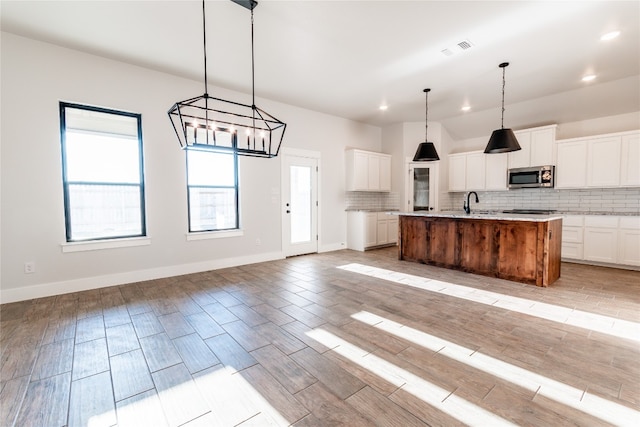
(105, 244)
(206, 235)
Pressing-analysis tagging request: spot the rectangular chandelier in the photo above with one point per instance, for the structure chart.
(205, 122)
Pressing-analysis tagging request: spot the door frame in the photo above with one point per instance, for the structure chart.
(434, 177)
(309, 154)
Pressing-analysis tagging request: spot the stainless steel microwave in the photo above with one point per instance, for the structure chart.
(533, 177)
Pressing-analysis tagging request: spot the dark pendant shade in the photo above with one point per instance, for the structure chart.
(426, 152)
(502, 141)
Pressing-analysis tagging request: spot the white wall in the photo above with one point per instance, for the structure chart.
(36, 76)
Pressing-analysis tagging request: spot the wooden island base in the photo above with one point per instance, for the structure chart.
(519, 250)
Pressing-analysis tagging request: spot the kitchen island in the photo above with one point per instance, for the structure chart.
(522, 248)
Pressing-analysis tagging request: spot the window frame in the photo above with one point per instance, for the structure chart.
(235, 186)
(66, 183)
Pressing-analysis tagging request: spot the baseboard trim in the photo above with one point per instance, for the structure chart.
(602, 264)
(87, 283)
(332, 247)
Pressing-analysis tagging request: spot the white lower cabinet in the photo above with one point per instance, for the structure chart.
(601, 239)
(573, 237)
(369, 229)
(629, 241)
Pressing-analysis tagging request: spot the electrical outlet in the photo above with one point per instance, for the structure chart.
(258, 242)
(29, 267)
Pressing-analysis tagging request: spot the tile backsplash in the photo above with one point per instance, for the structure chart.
(367, 200)
(608, 200)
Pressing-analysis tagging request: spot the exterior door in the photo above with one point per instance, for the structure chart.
(300, 205)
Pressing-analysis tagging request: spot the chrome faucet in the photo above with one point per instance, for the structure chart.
(466, 205)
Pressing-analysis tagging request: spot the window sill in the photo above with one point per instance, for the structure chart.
(105, 244)
(206, 235)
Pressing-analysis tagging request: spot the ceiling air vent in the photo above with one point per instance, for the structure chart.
(465, 44)
(458, 47)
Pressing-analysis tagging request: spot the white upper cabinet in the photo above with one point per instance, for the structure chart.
(496, 171)
(385, 172)
(476, 170)
(458, 172)
(537, 147)
(368, 171)
(630, 165)
(603, 161)
(571, 171)
(475, 175)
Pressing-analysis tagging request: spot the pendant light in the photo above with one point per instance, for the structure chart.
(502, 140)
(426, 151)
(210, 123)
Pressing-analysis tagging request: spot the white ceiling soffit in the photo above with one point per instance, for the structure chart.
(346, 58)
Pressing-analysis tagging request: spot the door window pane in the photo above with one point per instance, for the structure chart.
(300, 204)
(420, 189)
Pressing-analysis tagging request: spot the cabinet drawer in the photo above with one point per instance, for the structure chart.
(630, 223)
(383, 216)
(601, 221)
(572, 235)
(573, 220)
(572, 250)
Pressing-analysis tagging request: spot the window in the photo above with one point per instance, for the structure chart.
(212, 182)
(102, 173)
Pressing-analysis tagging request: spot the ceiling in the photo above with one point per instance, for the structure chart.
(346, 58)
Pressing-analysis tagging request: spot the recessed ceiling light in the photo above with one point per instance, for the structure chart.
(383, 107)
(610, 35)
(466, 108)
(589, 78)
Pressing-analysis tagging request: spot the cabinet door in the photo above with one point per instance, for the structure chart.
(457, 172)
(373, 173)
(600, 244)
(630, 165)
(603, 162)
(629, 241)
(371, 230)
(382, 232)
(542, 147)
(571, 171)
(392, 230)
(475, 171)
(496, 171)
(629, 247)
(385, 173)
(601, 238)
(572, 250)
(360, 171)
(521, 158)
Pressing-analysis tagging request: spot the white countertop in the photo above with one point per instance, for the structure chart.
(482, 215)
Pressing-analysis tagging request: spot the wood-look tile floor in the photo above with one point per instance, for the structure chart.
(341, 338)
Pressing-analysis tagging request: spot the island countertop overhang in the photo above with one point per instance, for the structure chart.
(497, 216)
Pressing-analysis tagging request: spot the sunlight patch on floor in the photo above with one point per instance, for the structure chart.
(567, 395)
(231, 400)
(435, 396)
(594, 322)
